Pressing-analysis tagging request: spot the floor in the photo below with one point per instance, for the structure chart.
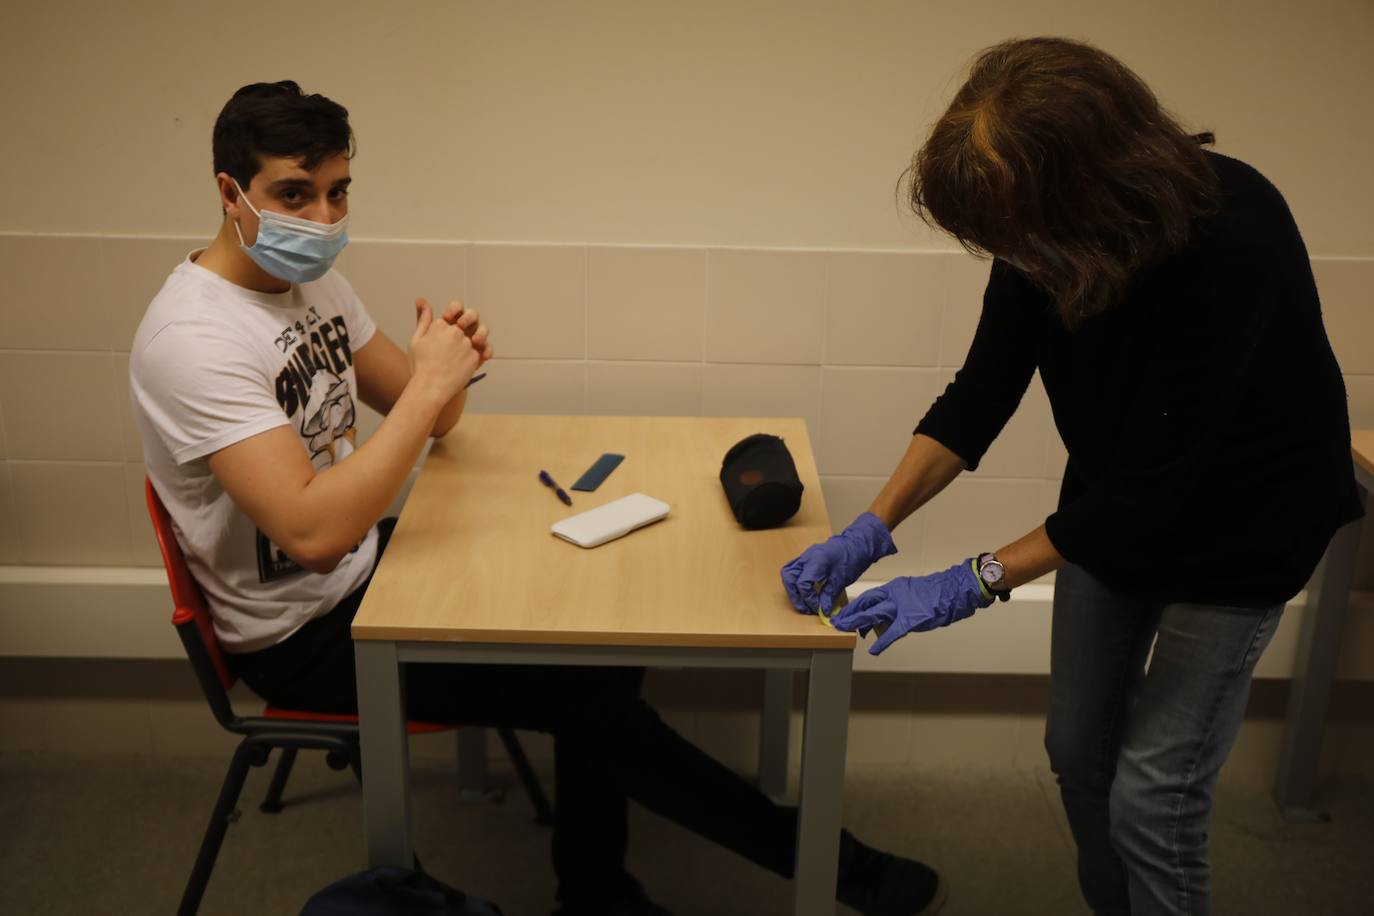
(112, 834)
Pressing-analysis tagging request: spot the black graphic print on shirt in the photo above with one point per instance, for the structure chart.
(329, 416)
(312, 385)
(315, 345)
(273, 563)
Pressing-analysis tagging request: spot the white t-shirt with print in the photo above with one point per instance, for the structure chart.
(213, 364)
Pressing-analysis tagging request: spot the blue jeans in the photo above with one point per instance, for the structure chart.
(1137, 752)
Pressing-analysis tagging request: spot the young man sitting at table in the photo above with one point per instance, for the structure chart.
(245, 374)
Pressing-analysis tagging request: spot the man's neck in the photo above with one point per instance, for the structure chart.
(226, 258)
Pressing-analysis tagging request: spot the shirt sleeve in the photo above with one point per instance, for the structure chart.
(986, 391)
(201, 393)
(361, 325)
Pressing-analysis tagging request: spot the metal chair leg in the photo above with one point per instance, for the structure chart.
(543, 811)
(474, 783)
(219, 823)
(272, 803)
(355, 763)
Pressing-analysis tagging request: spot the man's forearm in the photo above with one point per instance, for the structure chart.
(344, 501)
(925, 469)
(450, 415)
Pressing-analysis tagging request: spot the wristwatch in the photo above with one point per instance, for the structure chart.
(991, 572)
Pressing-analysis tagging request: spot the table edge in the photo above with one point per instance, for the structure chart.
(825, 638)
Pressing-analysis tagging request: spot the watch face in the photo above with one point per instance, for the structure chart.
(991, 572)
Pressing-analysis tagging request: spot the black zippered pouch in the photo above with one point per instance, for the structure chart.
(760, 481)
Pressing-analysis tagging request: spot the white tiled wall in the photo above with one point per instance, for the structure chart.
(71, 482)
(765, 306)
(9, 513)
(72, 513)
(856, 343)
(646, 304)
(61, 404)
(898, 294)
(534, 297)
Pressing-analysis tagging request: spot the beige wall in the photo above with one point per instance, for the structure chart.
(858, 343)
(715, 122)
(756, 145)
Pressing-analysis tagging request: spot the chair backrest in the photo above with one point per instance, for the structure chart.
(191, 616)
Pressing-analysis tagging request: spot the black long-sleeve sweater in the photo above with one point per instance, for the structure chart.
(1204, 416)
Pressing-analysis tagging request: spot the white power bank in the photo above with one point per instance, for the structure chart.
(615, 519)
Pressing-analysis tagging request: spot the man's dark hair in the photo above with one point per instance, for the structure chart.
(1055, 155)
(278, 119)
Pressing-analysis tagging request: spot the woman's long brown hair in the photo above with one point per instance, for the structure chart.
(1058, 157)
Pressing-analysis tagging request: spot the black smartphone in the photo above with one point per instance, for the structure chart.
(599, 471)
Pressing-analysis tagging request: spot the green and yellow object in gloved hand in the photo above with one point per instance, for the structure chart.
(914, 604)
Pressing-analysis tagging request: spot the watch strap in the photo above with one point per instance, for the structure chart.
(978, 577)
(978, 562)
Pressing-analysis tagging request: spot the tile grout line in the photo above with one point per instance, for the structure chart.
(548, 243)
(820, 374)
(71, 462)
(705, 316)
(586, 331)
(467, 269)
(54, 351)
(9, 488)
(701, 352)
(943, 287)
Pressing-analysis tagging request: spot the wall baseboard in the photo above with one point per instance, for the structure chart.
(125, 613)
(1014, 638)
(86, 612)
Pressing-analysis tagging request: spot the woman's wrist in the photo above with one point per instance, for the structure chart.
(978, 577)
(1028, 558)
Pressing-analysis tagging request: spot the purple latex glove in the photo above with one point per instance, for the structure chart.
(914, 603)
(835, 563)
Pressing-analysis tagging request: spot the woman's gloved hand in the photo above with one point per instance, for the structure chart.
(835, 563)
(914, 603)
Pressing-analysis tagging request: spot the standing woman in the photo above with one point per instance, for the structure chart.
(1165, 296)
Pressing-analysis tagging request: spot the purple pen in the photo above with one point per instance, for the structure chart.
(547, 480)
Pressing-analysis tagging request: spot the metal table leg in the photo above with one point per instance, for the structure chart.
(385, 753)
(774, 725)
(824, 735)
(474, 782)
(1314, 669)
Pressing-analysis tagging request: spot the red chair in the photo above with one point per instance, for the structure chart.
(287, 729)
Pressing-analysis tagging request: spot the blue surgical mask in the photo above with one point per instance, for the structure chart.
(291, 248)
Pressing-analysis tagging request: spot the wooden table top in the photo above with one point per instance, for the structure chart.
(472, 558)
(1362, 447)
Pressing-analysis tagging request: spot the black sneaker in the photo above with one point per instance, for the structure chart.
(630, 901)
(880, 884)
